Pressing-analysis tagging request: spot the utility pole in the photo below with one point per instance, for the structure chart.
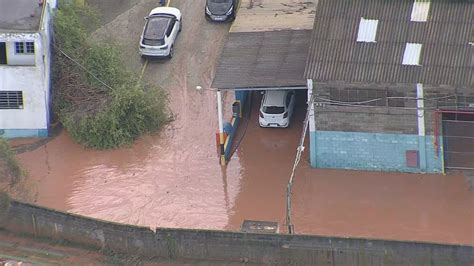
(300, 149)
(221, 127)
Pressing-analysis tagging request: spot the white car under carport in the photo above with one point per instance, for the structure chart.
(276, 108)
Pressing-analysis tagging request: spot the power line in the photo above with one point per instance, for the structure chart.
(81, 66)
(299, 152)
(383, 99)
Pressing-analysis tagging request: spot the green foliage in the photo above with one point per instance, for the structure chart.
(105, 62)
(131, 113)
(72, 25)
(4, 207)
(97, 115)
(8, 160)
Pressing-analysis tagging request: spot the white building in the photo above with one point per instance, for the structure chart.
(25, 67)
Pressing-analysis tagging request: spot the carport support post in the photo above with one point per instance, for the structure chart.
(221, 127)
(420, 106)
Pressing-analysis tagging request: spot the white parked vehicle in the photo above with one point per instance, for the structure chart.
(276, 108)
(159, 34)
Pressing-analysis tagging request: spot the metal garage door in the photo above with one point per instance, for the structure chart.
(458, 140)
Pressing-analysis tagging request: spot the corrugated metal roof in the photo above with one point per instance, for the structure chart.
(446, 56)
(263, 59)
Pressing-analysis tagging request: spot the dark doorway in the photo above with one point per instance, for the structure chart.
(458, 140)
(3, 53)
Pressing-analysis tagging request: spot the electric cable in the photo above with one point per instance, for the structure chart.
(299, 152)
(81, 66)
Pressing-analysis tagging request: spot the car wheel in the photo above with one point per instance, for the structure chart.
(180, 25)
(170, 55)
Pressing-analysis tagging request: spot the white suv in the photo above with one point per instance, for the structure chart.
(159, 34)
(276, 108)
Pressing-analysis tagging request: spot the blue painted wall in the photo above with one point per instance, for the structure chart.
(234, 123)
(23, 133)
(372, 151)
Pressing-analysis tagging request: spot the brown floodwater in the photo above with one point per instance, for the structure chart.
(173, 179)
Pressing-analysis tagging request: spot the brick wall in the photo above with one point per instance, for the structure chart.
(227, 246)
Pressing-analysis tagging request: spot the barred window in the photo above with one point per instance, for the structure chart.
(24, 47)
(11, 100)
(30, 47)
(19, 47)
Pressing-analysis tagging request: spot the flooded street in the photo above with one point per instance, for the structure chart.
(173, 179)
(152, 183)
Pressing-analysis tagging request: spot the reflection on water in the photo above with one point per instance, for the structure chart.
(167, 189)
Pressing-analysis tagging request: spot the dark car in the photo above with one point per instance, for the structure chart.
(221, 10)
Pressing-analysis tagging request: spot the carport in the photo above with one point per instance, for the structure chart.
(266, 49)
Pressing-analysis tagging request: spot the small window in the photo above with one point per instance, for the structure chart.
(412, 54)
(24, 47)
(19, 47)
(3, 53)
(367, 30)
(11, 100)
(30, 47)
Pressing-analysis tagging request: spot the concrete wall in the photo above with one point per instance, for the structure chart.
(268, 249)
(378, 137)
(31, 75)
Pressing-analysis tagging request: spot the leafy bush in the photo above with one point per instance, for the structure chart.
(9, 167)
(102, 104)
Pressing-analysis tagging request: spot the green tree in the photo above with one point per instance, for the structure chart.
(102, 104)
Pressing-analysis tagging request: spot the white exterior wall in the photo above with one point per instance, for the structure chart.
(32, 79)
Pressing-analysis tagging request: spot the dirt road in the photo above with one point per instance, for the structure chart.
(173, 179)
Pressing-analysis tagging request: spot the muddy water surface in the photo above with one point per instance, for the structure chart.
(173, 179)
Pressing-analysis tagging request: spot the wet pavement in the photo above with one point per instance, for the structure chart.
(173, 179)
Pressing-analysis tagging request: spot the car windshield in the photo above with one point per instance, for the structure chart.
(273, 109)
(218, 1)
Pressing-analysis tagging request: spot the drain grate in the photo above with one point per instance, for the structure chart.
(261, 227)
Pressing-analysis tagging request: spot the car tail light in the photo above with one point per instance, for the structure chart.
(261, 114)
(285, 115)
